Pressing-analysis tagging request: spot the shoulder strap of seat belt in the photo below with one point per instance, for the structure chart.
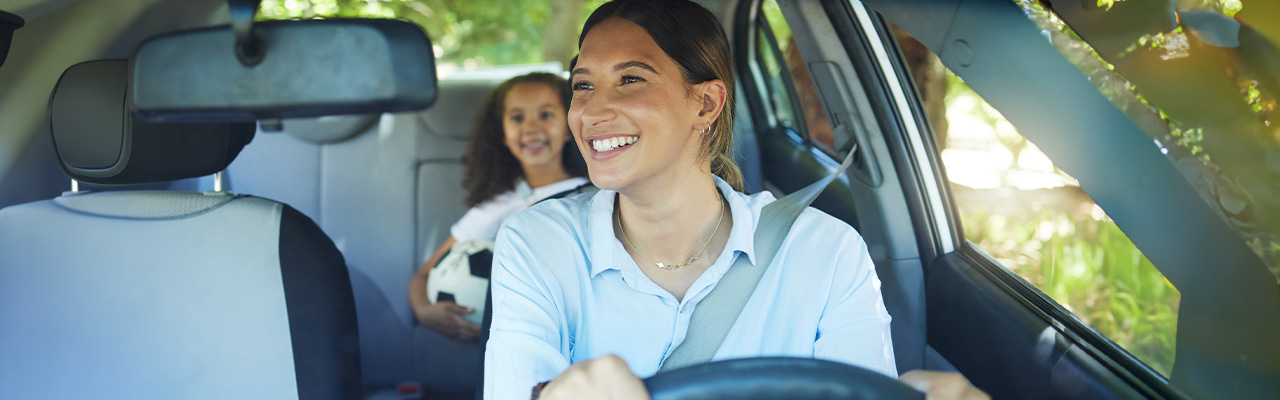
(583, 188)
(716, 313)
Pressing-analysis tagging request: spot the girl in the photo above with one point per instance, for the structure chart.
(517, 157)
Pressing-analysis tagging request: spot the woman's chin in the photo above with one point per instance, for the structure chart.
(606, 180)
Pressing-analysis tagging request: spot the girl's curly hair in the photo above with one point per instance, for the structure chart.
(491, 169)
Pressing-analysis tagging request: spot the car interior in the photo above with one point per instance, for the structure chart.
(176, 227)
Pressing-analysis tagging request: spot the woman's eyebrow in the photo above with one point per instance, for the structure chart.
(617, 67)
(633, 64)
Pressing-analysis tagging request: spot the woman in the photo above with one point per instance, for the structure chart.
(516, 157)
(608, 282)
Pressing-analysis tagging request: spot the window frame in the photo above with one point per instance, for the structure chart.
(800, 133)
(1101, 348)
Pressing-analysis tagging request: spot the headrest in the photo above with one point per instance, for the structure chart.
(8, 24)
(454, 117)
(329, 129)
(98, 141)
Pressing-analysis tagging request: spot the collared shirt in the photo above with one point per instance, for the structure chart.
(565, 290)
(483, 220)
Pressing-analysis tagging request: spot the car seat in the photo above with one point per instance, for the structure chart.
(165, 294)
(386, 189)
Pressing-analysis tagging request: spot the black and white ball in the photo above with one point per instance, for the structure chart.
(462, 276)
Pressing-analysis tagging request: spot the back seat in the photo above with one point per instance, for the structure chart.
(386, 189)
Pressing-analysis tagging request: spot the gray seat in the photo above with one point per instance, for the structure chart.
(163, 294)
(386, 189)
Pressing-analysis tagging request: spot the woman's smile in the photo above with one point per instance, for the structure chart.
(605, 147)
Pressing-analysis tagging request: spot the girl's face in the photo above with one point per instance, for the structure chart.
(632, 114)
(533, 124)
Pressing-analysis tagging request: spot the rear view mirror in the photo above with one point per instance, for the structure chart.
(295, 69)
(8, 24)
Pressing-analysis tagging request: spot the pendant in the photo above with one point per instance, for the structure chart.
(663, 266)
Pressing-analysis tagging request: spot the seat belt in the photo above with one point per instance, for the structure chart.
(717, 312)
(583, 188)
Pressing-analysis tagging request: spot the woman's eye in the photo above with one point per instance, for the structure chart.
(631, 79)
(545, 115)
(517, 118)
(576, 86)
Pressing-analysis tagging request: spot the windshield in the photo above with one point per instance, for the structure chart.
(468, 35)
(1202, 82)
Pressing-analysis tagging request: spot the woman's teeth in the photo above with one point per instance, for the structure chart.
(612, 143)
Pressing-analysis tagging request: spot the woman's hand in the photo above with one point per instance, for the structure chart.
(446, 318)
(606, 377)
(942, 385)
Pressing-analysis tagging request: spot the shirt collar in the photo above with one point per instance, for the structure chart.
(607, 253)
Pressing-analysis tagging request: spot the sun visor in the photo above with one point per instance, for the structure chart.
(8, 24)
(283, 69)
(98, 141)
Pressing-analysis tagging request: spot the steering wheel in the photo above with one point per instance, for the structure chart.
(776, 378)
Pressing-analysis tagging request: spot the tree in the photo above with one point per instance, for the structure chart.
(465, 32)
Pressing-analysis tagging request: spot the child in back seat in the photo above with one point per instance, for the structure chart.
(517, 157)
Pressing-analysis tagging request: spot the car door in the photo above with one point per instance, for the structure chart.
(1201, 302)
(1105, 130)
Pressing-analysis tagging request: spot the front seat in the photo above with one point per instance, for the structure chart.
(165, 294)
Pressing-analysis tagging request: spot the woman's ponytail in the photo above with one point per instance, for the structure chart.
(724, 167)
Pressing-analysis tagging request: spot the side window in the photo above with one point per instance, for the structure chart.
(792, 95)
(1035, 220)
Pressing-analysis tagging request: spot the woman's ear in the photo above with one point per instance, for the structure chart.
(713, 97)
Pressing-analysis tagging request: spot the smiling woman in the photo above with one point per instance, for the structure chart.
(609, 282)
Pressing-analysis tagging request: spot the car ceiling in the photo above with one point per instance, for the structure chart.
(33, 9)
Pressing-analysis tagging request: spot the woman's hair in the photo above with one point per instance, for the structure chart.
(692, 36)
(491, 169)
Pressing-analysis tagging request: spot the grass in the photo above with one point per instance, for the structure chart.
(1085, 262)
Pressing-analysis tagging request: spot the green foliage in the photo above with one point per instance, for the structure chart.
(1187, 137)
(1082, 260)
(1089, 266)
(777, 23)
(465, 32)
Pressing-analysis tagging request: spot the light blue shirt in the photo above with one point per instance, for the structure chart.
(565, 290)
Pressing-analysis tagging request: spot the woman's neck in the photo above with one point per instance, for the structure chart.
(545, 175)
(671, 222)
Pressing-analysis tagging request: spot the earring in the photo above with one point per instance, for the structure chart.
(706, 131)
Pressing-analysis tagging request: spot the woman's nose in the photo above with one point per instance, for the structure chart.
(597, 109)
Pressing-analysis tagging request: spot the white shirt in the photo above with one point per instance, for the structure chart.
(565, 290)
(482, 221)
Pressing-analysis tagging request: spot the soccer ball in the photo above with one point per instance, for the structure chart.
(462, 276)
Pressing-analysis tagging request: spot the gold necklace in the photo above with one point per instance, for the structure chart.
(623, 230)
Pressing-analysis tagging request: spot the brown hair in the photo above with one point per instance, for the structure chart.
(692, 36)
(491, 169)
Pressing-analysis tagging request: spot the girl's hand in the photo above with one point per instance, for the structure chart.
(446, 319)
(603, 378)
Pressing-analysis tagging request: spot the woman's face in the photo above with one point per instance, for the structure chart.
(632, 114)
(533, 124)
